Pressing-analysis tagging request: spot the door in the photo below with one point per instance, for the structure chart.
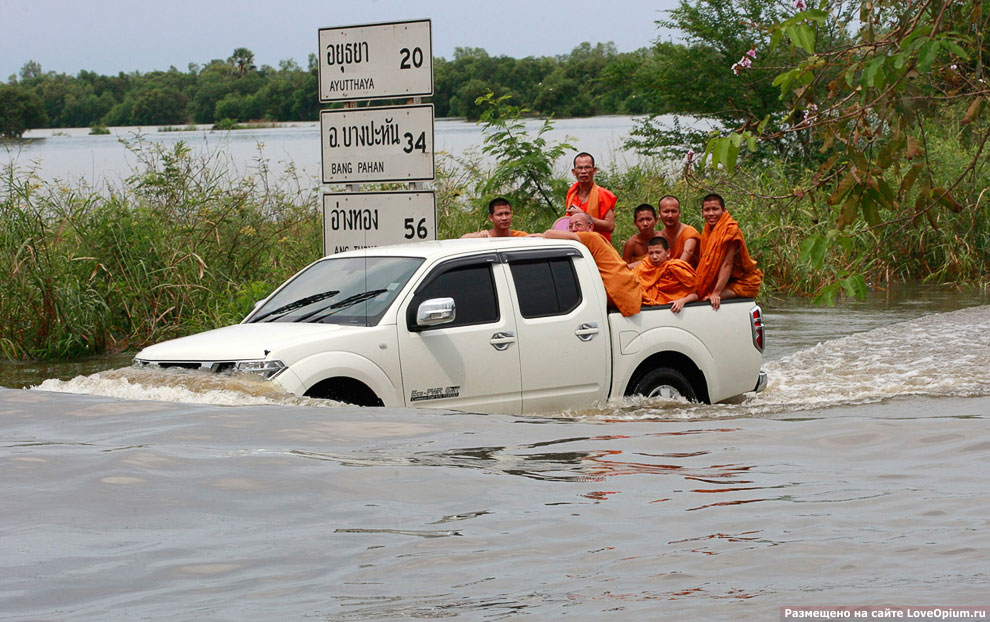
(564, 348)
(472, 361)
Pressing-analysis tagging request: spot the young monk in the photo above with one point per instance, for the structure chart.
(621, 286)
(726, 270)
(645, 218)
(665, 280)
(500, 215)
(683, 239)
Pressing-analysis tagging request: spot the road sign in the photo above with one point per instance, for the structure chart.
(368, 219)
(377, 144)
(376, 61)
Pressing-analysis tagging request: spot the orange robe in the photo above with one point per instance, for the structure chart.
(620, 282)
(677, 248)
(600, 202)
(745, 277)
(672, 280)
(517, 234)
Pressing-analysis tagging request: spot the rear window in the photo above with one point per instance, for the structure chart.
(545, 286)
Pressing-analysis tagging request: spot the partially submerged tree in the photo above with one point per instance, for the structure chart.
(20, 110)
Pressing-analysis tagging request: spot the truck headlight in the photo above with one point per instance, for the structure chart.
(265, 369)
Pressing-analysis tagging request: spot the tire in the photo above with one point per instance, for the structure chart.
(665, 382)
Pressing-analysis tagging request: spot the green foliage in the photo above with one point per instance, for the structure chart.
(20, 110)
(233, 88)
(592, 79)
(873, 89)
(524, 165)
(182, 246)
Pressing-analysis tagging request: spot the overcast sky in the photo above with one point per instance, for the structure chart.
(108, 36)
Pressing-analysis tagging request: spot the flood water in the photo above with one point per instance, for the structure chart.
(72, 154)
(857, 478)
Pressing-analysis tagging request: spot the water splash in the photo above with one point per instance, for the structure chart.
(182, 386)
(940, 355)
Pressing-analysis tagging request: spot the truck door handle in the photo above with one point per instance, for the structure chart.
(501, 341)
(587, 331)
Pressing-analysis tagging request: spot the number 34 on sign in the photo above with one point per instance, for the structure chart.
(368, 219)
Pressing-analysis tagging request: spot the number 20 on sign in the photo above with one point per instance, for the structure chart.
(376, 61)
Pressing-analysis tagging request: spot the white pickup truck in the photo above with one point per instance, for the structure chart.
(501, 325)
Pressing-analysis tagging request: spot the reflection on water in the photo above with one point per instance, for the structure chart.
(123, 510)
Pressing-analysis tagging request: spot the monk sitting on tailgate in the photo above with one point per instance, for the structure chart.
(500, 215)
(645, 218)
(665, 280)
(726, 270)
(621, 286)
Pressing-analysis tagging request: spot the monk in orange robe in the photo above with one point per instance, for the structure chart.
(645, 219)
(683, 239)
(588, 197)
(500, 215)
(621, 286)
(726, 270)
(664, 280)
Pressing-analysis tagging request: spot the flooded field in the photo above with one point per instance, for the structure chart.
(856, 478)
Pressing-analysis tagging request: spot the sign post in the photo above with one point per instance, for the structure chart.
(357, 220)
(377, 144)
(381, 144)
(376, 61)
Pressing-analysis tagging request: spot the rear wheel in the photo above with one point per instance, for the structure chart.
(665, 382)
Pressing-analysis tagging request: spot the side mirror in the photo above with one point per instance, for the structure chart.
(435, 311)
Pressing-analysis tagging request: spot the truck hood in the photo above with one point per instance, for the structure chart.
(242, 341)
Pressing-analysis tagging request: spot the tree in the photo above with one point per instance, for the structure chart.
(524, 166)
(243, 61)
(720, 39)
(870, 106)
(20, 110)
(31, 70)
(159, 106)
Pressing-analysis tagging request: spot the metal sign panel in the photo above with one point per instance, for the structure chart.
(376, 61)
(377, 144)
(368, 219)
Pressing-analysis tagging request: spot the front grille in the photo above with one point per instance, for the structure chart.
(213, 366)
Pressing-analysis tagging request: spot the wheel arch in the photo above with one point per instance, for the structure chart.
(346, 374)
(675, 360)
(345, 389)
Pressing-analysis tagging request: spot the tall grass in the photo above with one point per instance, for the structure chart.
(181, 246)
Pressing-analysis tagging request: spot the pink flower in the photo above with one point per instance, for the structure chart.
(735, 68)
(689, 156)
(746, 62)
(751, 53)
(800, 5)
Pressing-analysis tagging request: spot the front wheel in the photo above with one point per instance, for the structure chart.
(665, 382)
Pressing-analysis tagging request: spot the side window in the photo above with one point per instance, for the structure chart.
(473, 289)
(545, 286)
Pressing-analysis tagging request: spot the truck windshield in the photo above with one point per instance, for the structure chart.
(346, 290)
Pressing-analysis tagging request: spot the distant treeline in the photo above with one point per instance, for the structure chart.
(591, 80)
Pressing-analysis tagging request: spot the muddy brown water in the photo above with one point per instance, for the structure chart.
(857, 478)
